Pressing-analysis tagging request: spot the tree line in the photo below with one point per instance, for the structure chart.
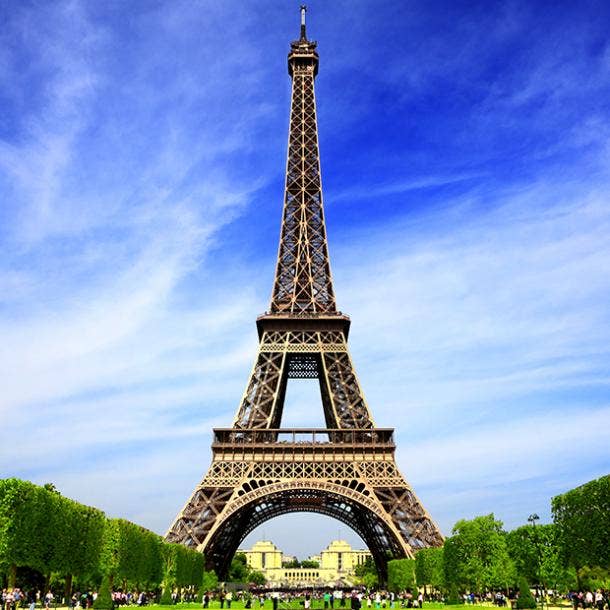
(42, 530)
(571, 553)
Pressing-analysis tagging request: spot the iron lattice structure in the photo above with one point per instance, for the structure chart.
(347, 470)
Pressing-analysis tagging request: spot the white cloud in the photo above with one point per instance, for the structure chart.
(508, 301)
(525, 448)
(100, 343)
(404, 186)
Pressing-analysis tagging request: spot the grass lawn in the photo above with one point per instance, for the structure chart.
(318, 604)
(295, 604)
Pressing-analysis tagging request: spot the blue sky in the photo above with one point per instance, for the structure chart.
(466, 170)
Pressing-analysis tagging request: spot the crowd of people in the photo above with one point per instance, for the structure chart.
(327, 599)
(588, 599)
(316, 599)
(16, 599)
(358, 599)
(12, 599)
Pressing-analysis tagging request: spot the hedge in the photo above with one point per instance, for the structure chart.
(42, 530)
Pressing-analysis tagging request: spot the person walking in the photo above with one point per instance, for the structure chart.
(600, 602)
(48, 599)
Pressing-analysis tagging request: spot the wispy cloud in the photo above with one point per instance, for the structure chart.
(398, 187)
(513, 297)
(91, 289)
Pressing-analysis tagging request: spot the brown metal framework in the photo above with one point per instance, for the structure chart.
(302, 278)
(347, 470)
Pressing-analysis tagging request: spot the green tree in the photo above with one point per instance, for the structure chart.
(536, 554)
(136, 556)
(117, 557)
(256, 578)
(308, 563)
(209, 582)
(401, 574)
(370, 580)
(429, 568)
(594, 578)
(522, 544)
(91, 523)
(182, 567)
(197, 565)
(454, 598)
(41, 529)
(23, 526)
(149, 569)
(476, 556)
(366, 574)
(452, 563)
(170, 572)
(582, 516)
(238, 570)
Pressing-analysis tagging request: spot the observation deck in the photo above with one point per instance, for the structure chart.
(304, 444)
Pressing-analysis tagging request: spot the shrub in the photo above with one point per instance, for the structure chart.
(526, 599)
(103, 601)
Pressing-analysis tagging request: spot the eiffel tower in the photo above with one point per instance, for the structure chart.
(346, 470)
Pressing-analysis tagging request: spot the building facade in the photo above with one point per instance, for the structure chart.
(336, 565)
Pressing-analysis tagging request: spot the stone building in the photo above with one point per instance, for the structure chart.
(263, 556)
(336, 565)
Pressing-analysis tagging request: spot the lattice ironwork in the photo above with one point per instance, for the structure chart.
(347, 470)
(321, 355)
(357, 483)
(302, 279)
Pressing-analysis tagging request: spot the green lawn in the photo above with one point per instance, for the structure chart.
(318, 604)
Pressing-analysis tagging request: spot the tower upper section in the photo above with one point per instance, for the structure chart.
(303, 53)
(303, 283)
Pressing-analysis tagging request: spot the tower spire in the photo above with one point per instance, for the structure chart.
(303, 11)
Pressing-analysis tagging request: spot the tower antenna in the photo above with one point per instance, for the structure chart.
(303, 11)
